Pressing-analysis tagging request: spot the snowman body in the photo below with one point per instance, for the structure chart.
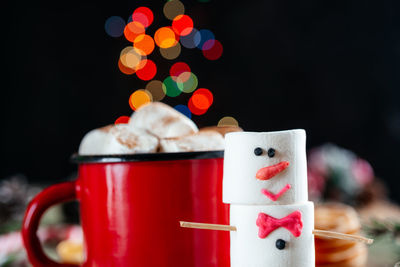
(265, 183)
(248, 249)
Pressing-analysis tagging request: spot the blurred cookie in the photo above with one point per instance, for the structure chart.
(336, 252)
(222, 129)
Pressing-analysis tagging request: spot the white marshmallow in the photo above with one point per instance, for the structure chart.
(162, 121)
(248, 249)
(240, 185)
(201, 141)
(118, 139)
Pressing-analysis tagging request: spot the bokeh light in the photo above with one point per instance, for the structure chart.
(182, 25)
(139, 98)
(187, 82)
(165, 37)
(184, 110)
(143, 15)
(155, 87)
(170, 87)
(114, 26)
(202, 98)
(194, 109)
(228, 121)
(125, 70)
(189, 41)
(132, 30)
(172, 52)
(130, 57)
(122, 120)
(214, 50)
(200, 101)
(173, 8)
(148, 71)
(178, 68)
(144, 43)
(203, 36)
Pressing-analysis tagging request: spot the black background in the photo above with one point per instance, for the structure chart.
(330, 67)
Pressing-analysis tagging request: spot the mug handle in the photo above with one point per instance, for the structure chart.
(52, 195)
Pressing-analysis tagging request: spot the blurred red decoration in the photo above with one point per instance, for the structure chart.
(177, 69)
(148, 71)
(132, 30)
(122, 120)
(124, 69)
(143, 15)
(182, 25)
(213, 51)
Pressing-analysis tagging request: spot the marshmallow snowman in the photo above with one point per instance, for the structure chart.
(265, 181)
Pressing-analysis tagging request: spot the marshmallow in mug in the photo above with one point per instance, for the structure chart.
(201, 141)
(118, 139)
(272, 235)
(266, 168)
(162, 121)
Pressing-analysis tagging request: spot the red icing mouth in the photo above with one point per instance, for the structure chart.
(275, 197)
(270, 171)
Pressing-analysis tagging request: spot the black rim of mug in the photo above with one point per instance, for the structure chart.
(76, 158)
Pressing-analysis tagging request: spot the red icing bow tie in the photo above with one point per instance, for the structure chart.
(267, 224)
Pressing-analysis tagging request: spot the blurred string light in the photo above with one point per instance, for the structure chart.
(182, 25)
(143, 15)
(139, 98)
(148, 71)
(171, 52)
(184, 110)
(132, 30)
(213, 51)
(122, 120)
(124, 69)
(170, 87)
(131, 57)
(165, 37)
(203, 36)
(155, 87)
(144, 43)
(200, 101)
(170, 39)
(189, 41)
(187, 82)
(228, 121)
(114, 26)
(173, 8)
(178, 68)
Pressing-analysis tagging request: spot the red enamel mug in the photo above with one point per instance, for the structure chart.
(131, 205)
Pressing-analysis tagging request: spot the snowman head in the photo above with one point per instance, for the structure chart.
(267, 168)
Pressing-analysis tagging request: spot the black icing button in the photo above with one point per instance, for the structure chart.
(280, 244)
(271, 152)
(258, 151)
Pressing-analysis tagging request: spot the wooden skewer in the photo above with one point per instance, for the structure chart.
(321, 233)
(329, 234)
(208, 226)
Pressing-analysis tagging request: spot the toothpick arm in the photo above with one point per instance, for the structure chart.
(336, 235)
(207, 226)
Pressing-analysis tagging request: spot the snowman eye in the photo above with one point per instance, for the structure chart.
(271, 152)
(280, 244)
(258, 151)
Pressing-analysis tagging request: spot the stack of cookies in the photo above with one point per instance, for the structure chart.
(336, 252)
